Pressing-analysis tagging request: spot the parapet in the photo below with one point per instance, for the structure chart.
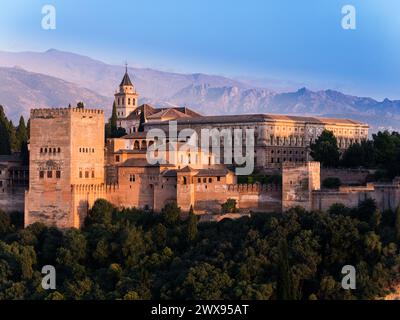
(254, 187)
(291, 165)
(49, 113)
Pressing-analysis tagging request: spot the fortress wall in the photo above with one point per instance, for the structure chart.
(386, 197)
(251, 197)
(323, 200)
(346, 176)
(165, 192)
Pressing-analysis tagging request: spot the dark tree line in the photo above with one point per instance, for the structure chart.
(381, 152)
(13, 139)
(130, 254)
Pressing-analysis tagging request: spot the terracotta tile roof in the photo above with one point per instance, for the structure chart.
(135, 135)
(148, 109)
(168, 114)
(212, 172)
(132, 162)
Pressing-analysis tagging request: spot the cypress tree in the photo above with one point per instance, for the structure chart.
(191, 231)
(286, 288)
(22, 132)
(113, 120)
(5, 144)
(142, 121)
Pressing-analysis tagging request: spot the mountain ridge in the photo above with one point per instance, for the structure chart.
(208, 94)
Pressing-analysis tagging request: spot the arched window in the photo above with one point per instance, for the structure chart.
(136, 145)
(184, 180)
(129, 100)
(144, 145)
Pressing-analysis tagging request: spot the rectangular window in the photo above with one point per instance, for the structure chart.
(41, 174)
(80, 174)
(86, 174)
(58, 174)
(116, 158)
(92, 174)
(218, 178)
(132, 178)
(49, 174)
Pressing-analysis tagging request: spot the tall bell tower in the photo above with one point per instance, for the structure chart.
(126, 99)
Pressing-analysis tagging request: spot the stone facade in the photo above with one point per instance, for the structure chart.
(13, 183)
(298, 183)
(71, 166)
(66, 149)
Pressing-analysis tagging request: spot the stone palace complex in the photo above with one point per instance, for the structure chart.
(71, 165)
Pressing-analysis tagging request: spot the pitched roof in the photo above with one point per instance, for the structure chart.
(126, 81)
(188, 111)
(187, 169)
(168, 114)
(264, 118)
(135, 135)
(132, 162)
(212, 172)
(148, 110)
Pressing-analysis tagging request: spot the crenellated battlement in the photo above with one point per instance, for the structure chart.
(49, 112)
(87, 111)
(256, 187)
(310, 164)
(61, 112)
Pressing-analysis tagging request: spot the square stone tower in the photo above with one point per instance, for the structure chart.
(298, 182)
(66, 148)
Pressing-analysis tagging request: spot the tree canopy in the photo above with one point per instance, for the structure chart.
(325, 149)
(131, 254)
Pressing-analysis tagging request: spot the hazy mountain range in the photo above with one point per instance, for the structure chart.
(55, 79)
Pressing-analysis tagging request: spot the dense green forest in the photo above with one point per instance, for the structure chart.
(13, 139)
(131, 254)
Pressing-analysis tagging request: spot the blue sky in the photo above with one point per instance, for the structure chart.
(297, 42)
